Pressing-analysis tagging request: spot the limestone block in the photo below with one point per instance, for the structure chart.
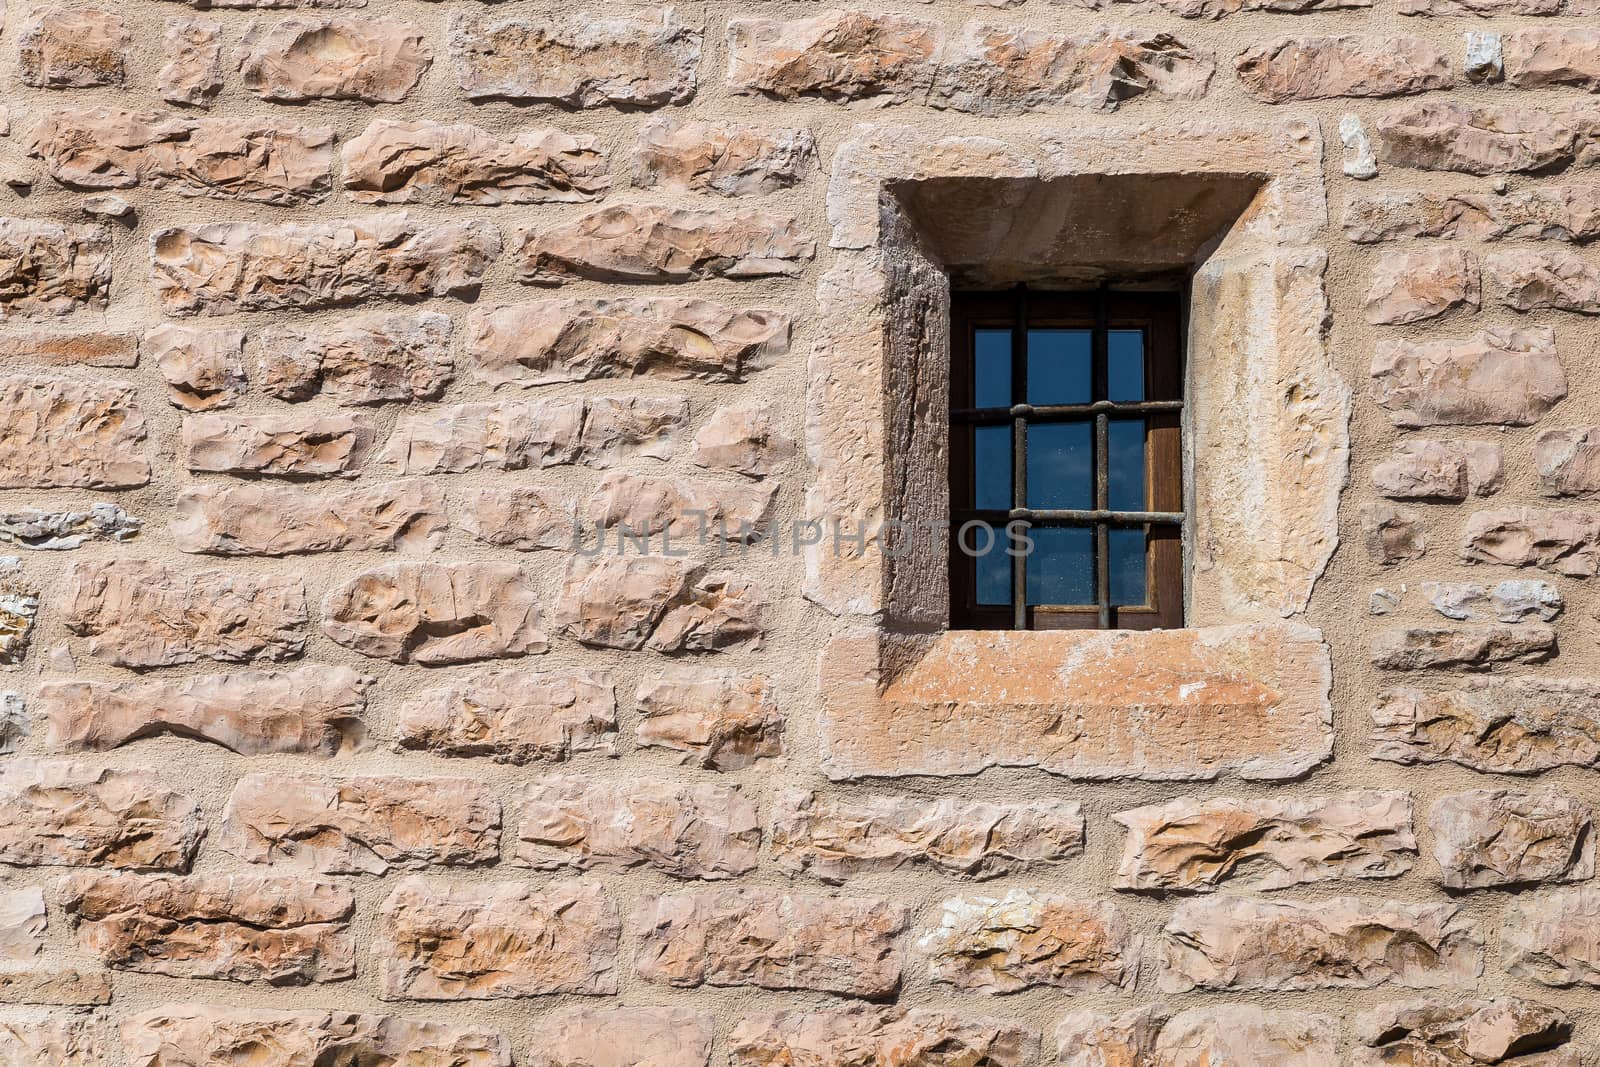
(1318, 68)
(1440, 470)
(1562, 540)
(866, 1035)
(193, 72)
(203, 369)
(1474, 139)
(1026, 939)
(721, 720)
(625, 1037)
(744, 437)
(65, 814)
(1464, 1033)
(1500, 376)
(71, 435)
(512, 716)
(1415, 648)
(285, 446)
(73, 49)
(1553, 937)
(1541, 278)
(725, 158)
(49, 268)
(837, 55)
(360, 360)
(419, 162)
(1496, 725)
(268, 520)
(1412, 287)
(1497, 837)
(662, 243)
(332, 57)
(436, 613)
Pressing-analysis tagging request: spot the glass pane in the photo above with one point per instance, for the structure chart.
(993, 566)
(1060, 364)
(1125, 464)
(991, 466)
(991, 369)
(1125, 365)
(1127, 566)
(1060, 465)
(1061, 568)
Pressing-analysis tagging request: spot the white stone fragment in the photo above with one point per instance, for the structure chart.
(1484, 62)
(1358, 161)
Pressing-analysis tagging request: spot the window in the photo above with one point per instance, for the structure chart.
(1065, 429)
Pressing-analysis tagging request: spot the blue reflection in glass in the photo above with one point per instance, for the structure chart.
(1125, 464)
(994, 567)
(1059, 366)
(991, 466)
(1061, 568)
(1124, 364)
(1060, 465)
(991, 368)
(1127, 566)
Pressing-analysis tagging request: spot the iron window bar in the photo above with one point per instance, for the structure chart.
(1101, 518)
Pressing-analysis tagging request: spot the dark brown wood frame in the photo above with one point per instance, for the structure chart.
(1160, 316)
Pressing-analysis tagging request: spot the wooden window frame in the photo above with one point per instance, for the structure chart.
(1160, 315)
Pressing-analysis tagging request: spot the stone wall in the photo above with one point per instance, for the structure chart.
(324, 747)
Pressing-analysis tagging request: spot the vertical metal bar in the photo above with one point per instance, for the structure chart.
(1019, 451)
(1102, 435)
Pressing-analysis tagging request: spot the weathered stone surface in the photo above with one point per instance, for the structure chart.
(332, 57)
(240, 928)
(221, 267)
(47, 268)
(720, 720)
(1539, 58)
(1000, 70)
(22, 923)
(1173, 705)
(1416, 648)
(193, 72)
(366, 825)
(770, 939)
(837, 55)
(660, 243)
(1553, 937)
(512, 716)
(138, 613)
(1357, 162)
(367, 359)
(867, 1035)
(687, 831)
(203, 369)
(1412, 287)
(644, 58)
(286, 446)
(1026, 939)
(266, 520)
(1496, 725)
(57, 433)
(546, 341)
(226, 158)
(743, 437)
(1239, 943)
(525, 518)
(315, 711)
(1513, 600)
(68, 986)
(192, 1035)
(698, 512)
(73, 49)
(834, 837)
(1488, 8)
(1568, 461)
(1499, 376)
(1496, 837)
(1563, 540)
(1198, 844)
(1440, 470)
(1464, 1033)
(78, 349)
(628, 601)
(1318, 68)
(1485, 60)
(19, 611)
(625, 1037)
(1539, 279)
(1235, 1035)
(107, 205)
(14, 724)
(1550, 213)
(494, 940)
(51, 531)
(60, 1042)
(515, 435)
(725, 158)
(395, 162)
(56, 813)
(436, 613)
(1451, 135)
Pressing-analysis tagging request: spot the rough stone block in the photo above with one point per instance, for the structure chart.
(267, 520)
(1562, 540)
(315, 711)
(1416, 648)
(628, 602)
(526, 518)
(865, 1035)
(720, 720)
(495, 940)
(837, 55)
(420, 162)
(625, 1037)
(193, 72)
(1319, 68)
(1234, 1035)
(835, 837)
(695, 512)
(1026, 939)
(285, 446)
(1474, 139)
(770, 939)
(686, 831)
(58, 531)
(1440, 470)
(1541, 58)
(1412, 287)
(59, 1042)
(73, 49)
(1553, 937)
(1495, 725)
(1540, 279)
(1567, 461)
(743, 437)
(1503, 376)
(65, 814)
(436, 613)
(1496, 837)
(365, 359)
(203, 369)
(71, 435)
(49, 268)
(512, 716)
(239, 928)
(725, 158)
(22, 923)
(1513, 600)
(87, 348)
(332, 57)
(1464, 1033)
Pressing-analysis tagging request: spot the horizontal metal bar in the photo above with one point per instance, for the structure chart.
(1069, 515)
(1055, 411)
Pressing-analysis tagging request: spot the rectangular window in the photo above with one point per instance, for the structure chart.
(1065, 426)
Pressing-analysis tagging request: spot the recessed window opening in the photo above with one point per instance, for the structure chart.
(1066, 459)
